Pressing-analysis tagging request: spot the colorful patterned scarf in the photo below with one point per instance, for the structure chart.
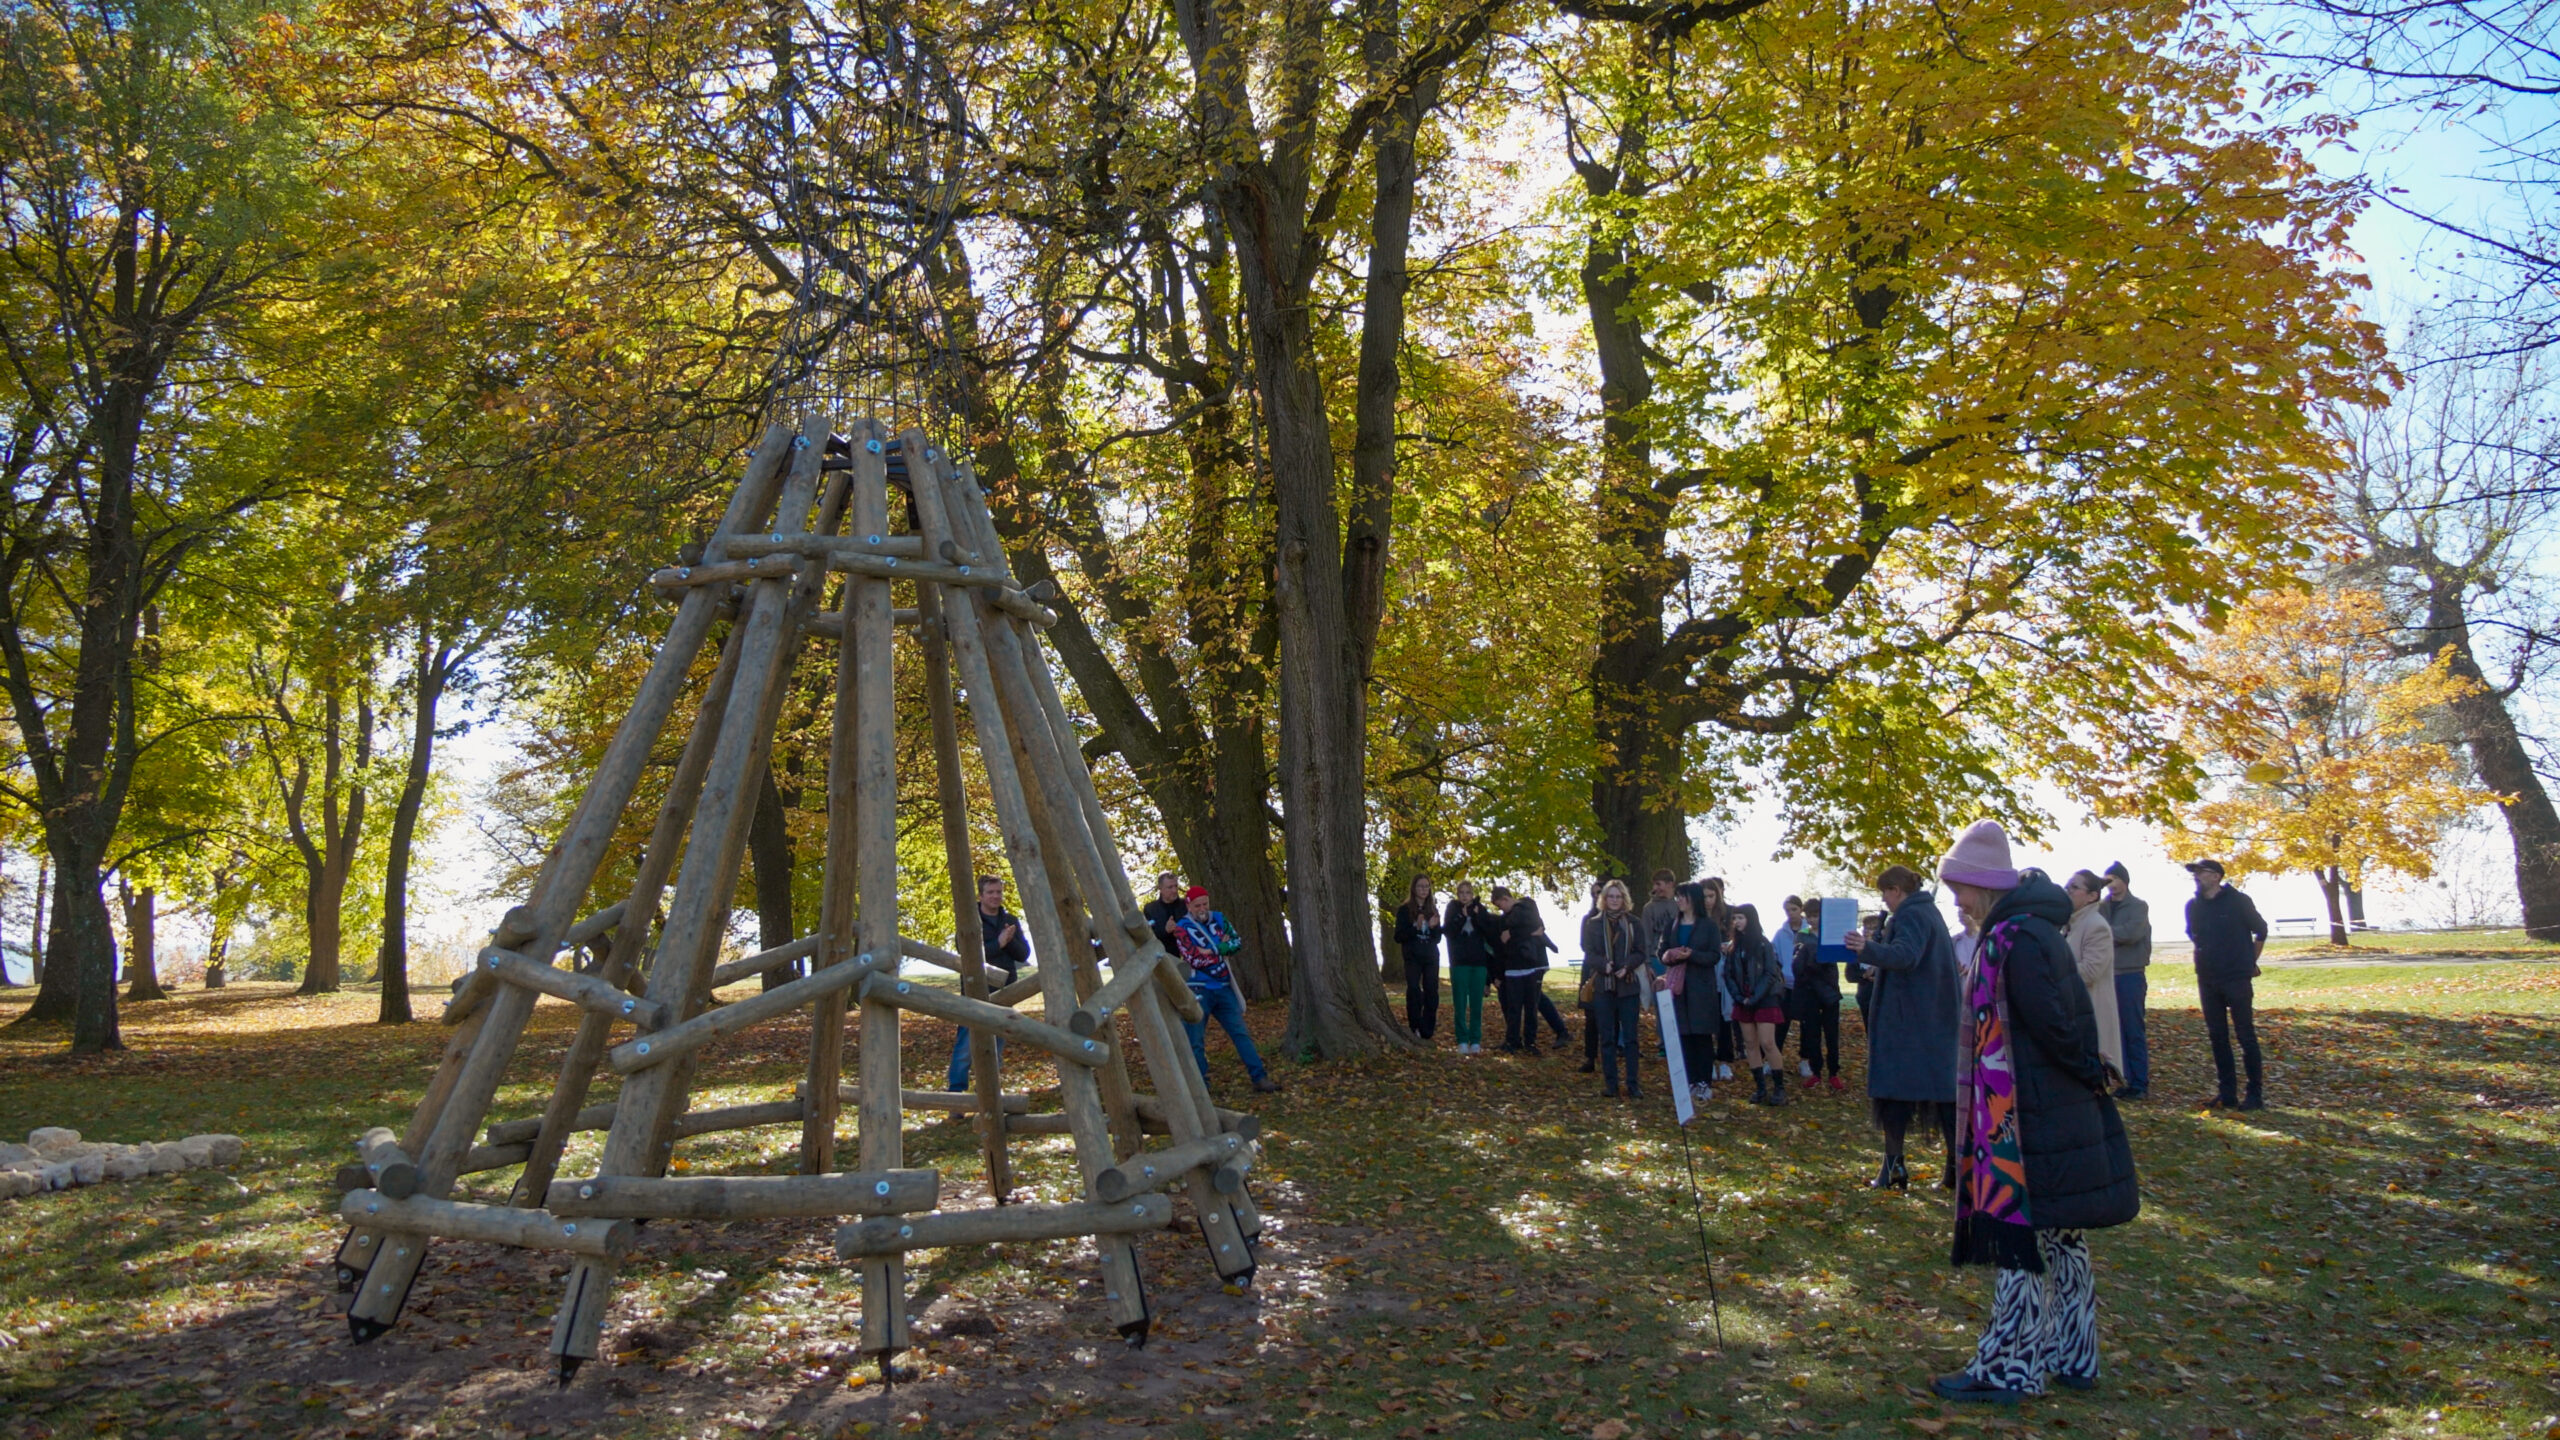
(1993, 1223)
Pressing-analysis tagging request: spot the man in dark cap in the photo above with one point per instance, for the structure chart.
(2229, 934)
(2129, 916)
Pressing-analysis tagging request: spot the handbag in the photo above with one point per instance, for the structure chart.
(1590, 989)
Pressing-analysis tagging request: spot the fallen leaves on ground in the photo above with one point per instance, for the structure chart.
(1452, 1248)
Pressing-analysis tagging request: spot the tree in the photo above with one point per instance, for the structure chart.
(1911, 466)
(2318, 728)
(2448, 492)
(435, 659)
(316, 692)
(148, 198)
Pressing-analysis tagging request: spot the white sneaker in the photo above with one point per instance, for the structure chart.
(1723, 1071)
(1805, 1068)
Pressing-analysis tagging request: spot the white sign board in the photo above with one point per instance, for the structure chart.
(1838, 918)
(1681, 1104)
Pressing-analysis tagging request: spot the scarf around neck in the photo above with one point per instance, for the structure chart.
(1994, 1225)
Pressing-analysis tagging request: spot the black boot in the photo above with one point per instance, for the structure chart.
(1759, 1085)
(2256, 1099)
(1777, 1085)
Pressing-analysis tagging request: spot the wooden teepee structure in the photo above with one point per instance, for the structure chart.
(817, 502)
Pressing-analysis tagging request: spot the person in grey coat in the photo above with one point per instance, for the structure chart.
(2129, 916)
(1911, 1047)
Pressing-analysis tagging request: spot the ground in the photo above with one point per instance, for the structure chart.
(1479, 1247)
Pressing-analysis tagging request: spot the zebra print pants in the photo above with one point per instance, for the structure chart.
(2042, 1324)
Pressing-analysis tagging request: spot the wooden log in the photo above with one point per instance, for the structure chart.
(728, 572)
(630, 940)
(1151, 1170)
(739, 1117)
(1234, 1122)
(903, 546)
(495, 1224)
(932, 955)
(692, 1122)
(641, 1140)
(1024, 986)
(746, 1197)
(585, 991)
(393, 1172)
(982, 1015)
(889, 1235)
(1228, 1178)
(481, 1158)
(867, 505)
(472, 988)
(864, 772)
(634, 1056)
(594, 925)
(827, 624)
(763, 960)
(1079, 1093)
(1052, 1123)
(1090, 1016)
(958, 1102)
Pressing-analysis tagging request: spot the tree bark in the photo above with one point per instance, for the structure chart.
(2497, 750)
(2333, 885)
(1638, 718)
(436, 663)
(142, 951)
(769, 849)
(35, 931)
(82, 771)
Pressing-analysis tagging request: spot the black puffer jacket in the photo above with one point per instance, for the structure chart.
(2080, 1173)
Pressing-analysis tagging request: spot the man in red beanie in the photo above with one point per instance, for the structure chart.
(1206, 940)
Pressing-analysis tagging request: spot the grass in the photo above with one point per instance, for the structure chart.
(1479, 1248)
(2504, 944)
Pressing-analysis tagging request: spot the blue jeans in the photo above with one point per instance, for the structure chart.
(1221, 1003)
(959, 1076)
(1616, 1017)
(2132, 987)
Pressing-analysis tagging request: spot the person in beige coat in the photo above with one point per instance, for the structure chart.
(2093, 953)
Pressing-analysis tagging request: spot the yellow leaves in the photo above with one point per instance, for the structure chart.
(2305, 701)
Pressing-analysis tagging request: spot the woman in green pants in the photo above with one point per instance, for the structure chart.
(1472, 932)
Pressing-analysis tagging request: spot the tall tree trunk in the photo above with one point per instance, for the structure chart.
(217, 959)
(83, 769)
(1638, 720)
(435, 666)
(769, 848)
(2333, 887)
(2498, 752)
(142, 951)
(35, 931)
(328, 859)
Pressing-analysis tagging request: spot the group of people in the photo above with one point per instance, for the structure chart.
(1737, 986)
(2014, 1038)
(1194, 933)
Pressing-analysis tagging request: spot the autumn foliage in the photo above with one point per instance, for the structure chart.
(2324, 734)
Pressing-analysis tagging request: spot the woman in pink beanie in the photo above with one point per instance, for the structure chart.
(2041, 1154)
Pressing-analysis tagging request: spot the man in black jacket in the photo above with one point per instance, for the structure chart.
(1006, 950)
(2229, 936)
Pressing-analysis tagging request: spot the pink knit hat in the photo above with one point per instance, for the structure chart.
(1980, 857)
